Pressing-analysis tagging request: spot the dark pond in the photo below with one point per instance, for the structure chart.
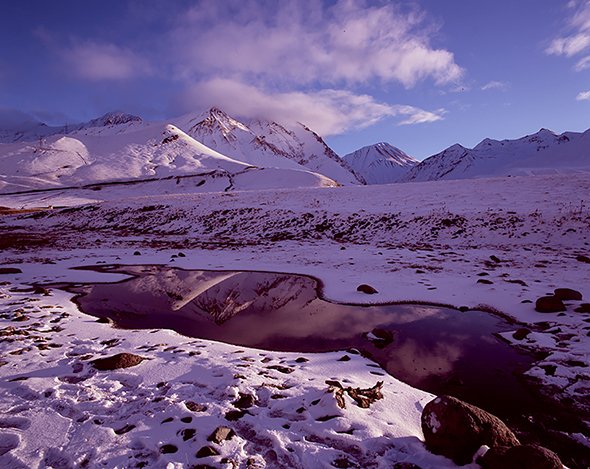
(436, 349)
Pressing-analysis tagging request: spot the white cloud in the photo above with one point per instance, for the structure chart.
(577, 40)
(103, 61)
(583, 64)
(495, 85)
(328, 111)
(583, 96)
(302, 42)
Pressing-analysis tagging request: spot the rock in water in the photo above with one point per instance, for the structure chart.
(455, 429)
(549, 304)
(120, 360)
(520, 457)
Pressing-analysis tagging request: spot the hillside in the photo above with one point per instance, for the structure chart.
(380, 163)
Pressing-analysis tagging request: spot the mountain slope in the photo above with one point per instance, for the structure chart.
(380, 163)
(75, 159)
(110, 123)
(267, 144)
(542, 153)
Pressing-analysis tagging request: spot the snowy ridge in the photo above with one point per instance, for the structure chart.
(155, 151)
(269, 144)
(109, 123)
(380, 163)
(542, 153)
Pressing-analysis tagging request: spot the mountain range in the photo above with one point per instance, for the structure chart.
(251, 154)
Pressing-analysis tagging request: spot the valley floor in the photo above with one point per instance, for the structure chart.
(495, 244)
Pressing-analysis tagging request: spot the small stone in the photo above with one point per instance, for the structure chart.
(10, 270)
(245, 401)
(120, 360)
(301, 360)
(187, 433)
(484, 281)
(167, 449)
(104, 320)
(207, 451)
(582, 258)
(221, 434)
(234, 415)
(344, 358)
(583, 308)
(549, 304)
(368, 289)
(567, 294)
(195, 406)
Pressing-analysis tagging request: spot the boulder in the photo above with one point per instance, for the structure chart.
(120, 360)
(368, 289)
(520, 457)
(456, 429)
(549, 304)
(567, 294)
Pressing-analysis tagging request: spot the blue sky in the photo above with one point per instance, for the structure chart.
(421, 74)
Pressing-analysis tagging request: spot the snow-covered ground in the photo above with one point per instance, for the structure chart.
(430, 242)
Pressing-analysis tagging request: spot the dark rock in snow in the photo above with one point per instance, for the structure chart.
(207, 451)
(245, 401)
(584, 259)
(549, 304)
(368, 289)
(167, 449)
(455, 429)
(221, 434)
(10, 270)
(520, 457)
(583, 308)
(567, 294)
(120, 360)
(521, 333)
(195, 406)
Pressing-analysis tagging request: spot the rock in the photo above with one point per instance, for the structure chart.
(137, 253)
(455, 429)
(567, 294)
(221, 434)
(549, 304)
(120, 360)
(521, 333)
(167, 449)
(245, 401)
(10, 270)
(368, 289)
(195, 406)
(583, 308)
(584, 259)
(207, 451)
(520, 457)
(485, 281)
(495, 259)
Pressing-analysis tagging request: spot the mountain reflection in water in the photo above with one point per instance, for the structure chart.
(433, 348)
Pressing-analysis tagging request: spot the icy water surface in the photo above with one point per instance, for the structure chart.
(440, 350)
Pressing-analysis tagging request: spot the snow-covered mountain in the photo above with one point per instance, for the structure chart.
(542, 153)
(267, 144)
(125, 149)
(380, 163)
(111, 122)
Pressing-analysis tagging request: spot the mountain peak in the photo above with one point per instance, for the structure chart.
(380, 163)
(113, 118)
